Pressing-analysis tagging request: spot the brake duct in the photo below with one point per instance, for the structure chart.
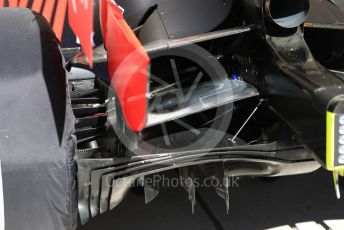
(287, 14)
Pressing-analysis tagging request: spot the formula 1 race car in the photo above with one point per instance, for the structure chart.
(212, 88)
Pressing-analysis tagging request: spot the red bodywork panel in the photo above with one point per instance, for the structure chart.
(128, 65)
(80, 15)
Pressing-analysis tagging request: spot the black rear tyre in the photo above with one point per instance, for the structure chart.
(36, 127)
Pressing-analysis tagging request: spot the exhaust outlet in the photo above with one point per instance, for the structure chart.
(287, 13)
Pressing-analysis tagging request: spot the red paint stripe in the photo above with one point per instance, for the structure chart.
(12, 3)
(37, 5)
(23, 3)
(2, 3)
(48, 9)
(60, 16)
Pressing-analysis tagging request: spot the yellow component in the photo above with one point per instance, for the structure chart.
(330, 143)
(330, 121)
(341, 172)
(330, 151)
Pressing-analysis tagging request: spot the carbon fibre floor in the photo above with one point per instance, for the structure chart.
(305, 202)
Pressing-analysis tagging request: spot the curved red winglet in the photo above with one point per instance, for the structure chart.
(128, 65)
(80, 16)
